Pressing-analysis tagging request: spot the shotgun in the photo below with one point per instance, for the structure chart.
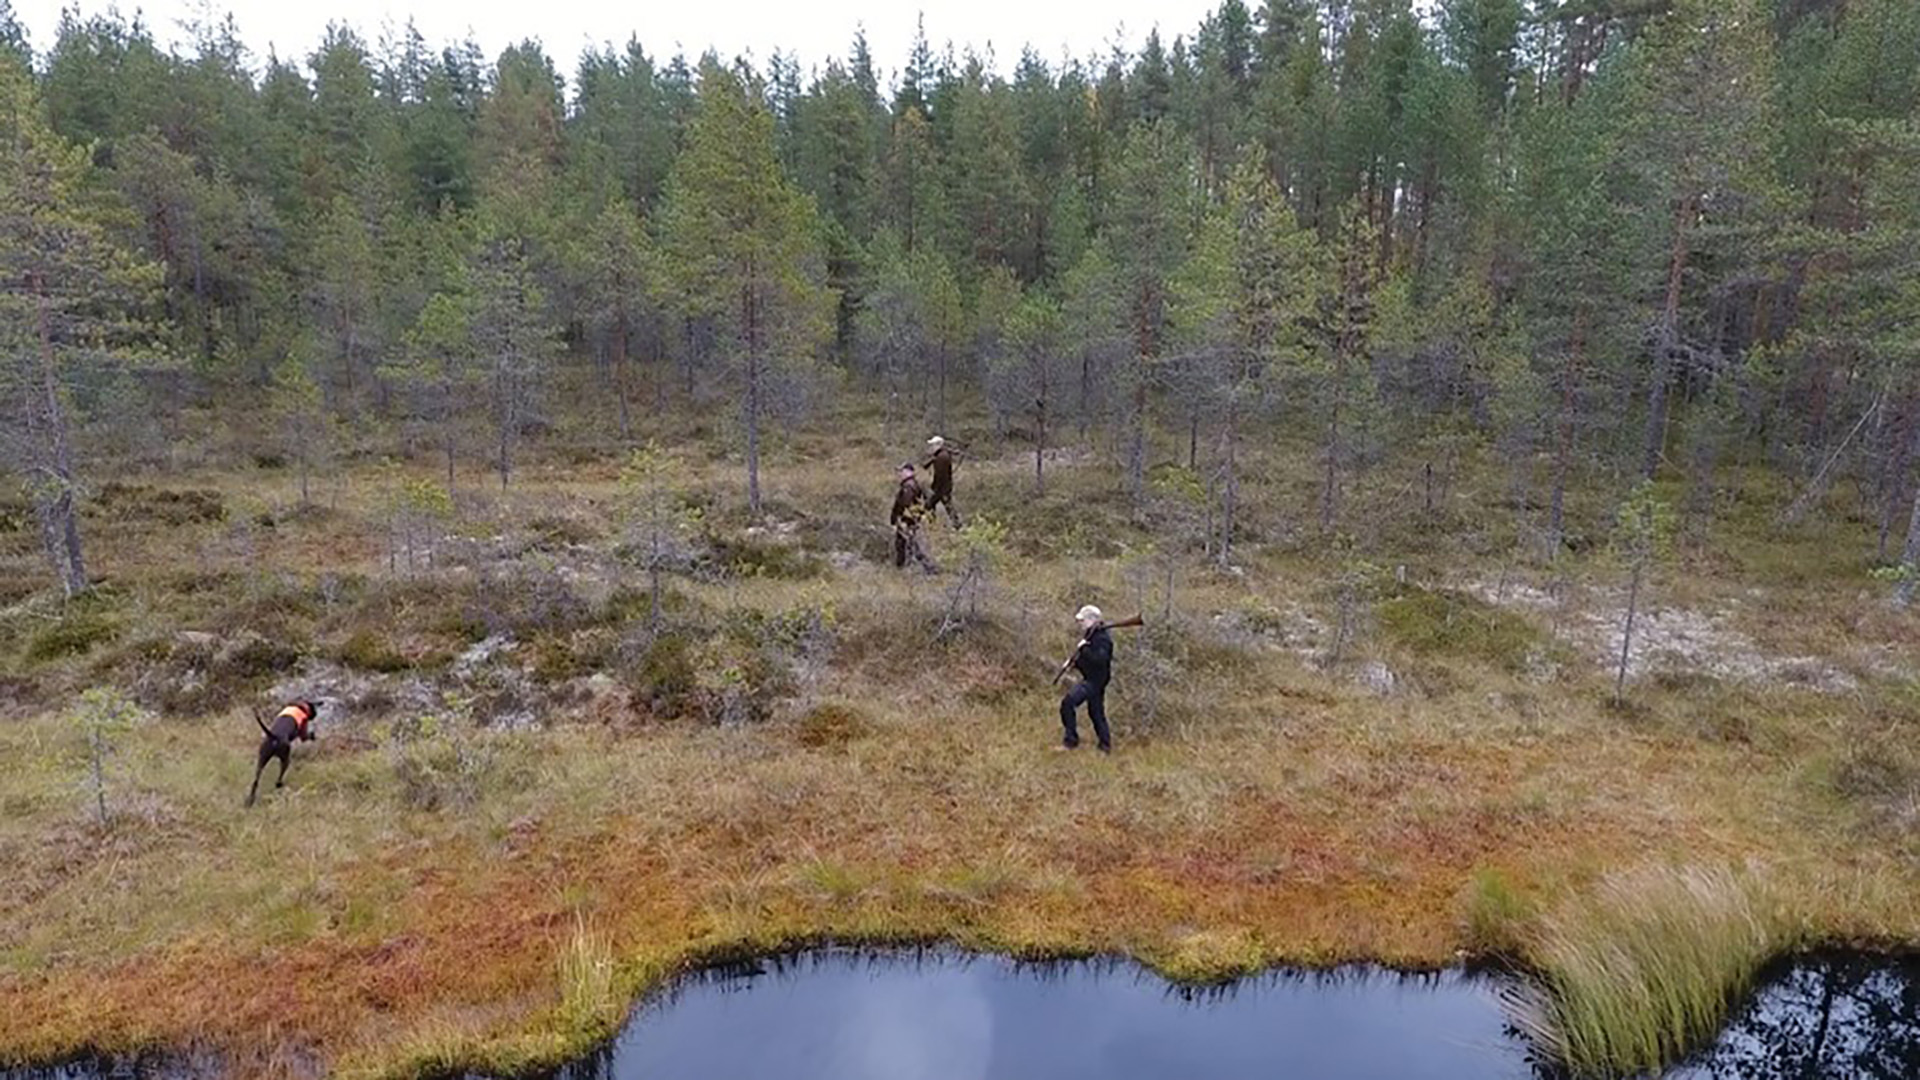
(1123, 624)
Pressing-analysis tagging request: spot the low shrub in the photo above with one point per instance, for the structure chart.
(744, 555)
(556, 658)
(660, 673)
(139, 502)
(78, 631)
(369, 650)
(442, 761)
(831, 724)
(556, 532)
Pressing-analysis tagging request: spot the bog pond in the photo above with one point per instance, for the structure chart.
(946, 1015)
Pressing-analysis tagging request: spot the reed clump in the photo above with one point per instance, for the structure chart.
(1647, 966)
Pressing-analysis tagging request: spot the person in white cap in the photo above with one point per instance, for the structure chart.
(1094, 661)
(940, 493)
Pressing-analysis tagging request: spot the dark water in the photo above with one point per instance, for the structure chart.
(941, 1015)
(947, 1016)
(1829, 1016)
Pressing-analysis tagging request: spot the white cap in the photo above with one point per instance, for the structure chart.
(1088, 614)
(936, 442)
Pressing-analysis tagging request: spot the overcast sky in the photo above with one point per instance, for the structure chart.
(815, 29)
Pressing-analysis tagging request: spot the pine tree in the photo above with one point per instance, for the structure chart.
(1692, 117)
(614, 265)
(13, 38)
(1029, 372)
(1244, 306)
(301, 421)
(441, 346)
(1146, 237)
(69, 296)
(512, 335)
(744, 247)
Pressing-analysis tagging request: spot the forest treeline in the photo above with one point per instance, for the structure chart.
(1610, 238)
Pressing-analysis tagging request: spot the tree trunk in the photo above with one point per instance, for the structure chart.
(1906, 443)
(1230, 481)
(1910, 558)
(506, 426)
(1040, 446)
(1329, 489)
(60, 518)
(1563, 451)
(96, 744)
(1626, 636)
(940, 403)
(750, 320)
(1665, 341)
(653, 578)
(1086, 378)
(620, 348)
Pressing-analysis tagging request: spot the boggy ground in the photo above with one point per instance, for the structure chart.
(532, 803)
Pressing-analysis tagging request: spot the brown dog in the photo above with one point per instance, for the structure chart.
(294, 723)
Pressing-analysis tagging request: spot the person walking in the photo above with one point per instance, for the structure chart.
(1094, 661)
(908, 510)
(940, 460)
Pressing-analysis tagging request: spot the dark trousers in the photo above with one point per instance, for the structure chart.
(906, 543)
(937, 499)
(1095, 698)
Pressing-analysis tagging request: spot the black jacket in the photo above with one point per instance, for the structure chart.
(1095, 658)
(942, 465)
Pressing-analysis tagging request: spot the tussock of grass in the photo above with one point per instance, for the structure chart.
(589, 994)
(831, 724)
(1496, 915)
(1648, 967)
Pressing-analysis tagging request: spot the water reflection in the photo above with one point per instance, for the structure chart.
(948, 1016)
(945, 1015)
(1823, 1018)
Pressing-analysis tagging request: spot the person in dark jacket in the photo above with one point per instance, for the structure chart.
(940, 460)
(1094, 661)
(908, 510)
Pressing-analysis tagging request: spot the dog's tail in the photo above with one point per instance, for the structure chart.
(258, 719)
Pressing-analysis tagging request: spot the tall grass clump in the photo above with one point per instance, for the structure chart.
(1648, 967)
(588, 998)
(1496, 914)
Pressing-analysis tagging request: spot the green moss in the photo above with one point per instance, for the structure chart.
(80, 629)
(1440, 623)
(367, 650)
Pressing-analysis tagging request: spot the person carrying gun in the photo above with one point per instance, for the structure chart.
(908, 510)
(940, 461)
(1093, 658)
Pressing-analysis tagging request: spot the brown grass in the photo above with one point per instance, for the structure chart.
(1261, 808)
